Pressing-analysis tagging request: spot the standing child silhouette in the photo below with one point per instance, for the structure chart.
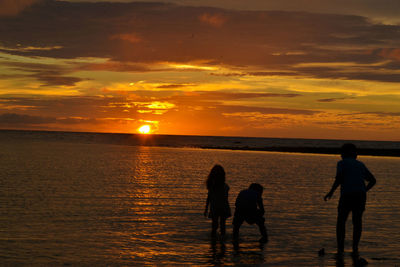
(217, 200)
(350, 175)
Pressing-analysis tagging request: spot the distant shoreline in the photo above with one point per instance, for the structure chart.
(289, 145)
(315, 150)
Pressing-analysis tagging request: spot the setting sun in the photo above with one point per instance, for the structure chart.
(144, 129)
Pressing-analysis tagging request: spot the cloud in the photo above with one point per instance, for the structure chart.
(129, 37)
(136, 36)
(219, 95)
(48, 74)
(13, 118)
(264, 110)
(271, 73)
(29, 48)
(386, 11)
(76, 120)
(326, 100)
(172, 86)
(116, 66)
(61, 107)
(380, 114)
(52, 78)
(391, 53)
(16, 119)
(216, 20)
(14, 7)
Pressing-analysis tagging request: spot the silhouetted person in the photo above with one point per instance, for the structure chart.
(350, 175)
(217, 199)
(250, 208)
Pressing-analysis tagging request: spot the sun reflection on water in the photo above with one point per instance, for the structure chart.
(144, 207)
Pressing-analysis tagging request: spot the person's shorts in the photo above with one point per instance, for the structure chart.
(354, 202)
(249, 217)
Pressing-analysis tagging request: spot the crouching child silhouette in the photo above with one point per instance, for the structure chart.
(250, 208)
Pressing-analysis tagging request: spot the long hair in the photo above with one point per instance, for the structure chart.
(216, 178)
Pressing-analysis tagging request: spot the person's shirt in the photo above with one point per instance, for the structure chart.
(248, 200)
(218, 197)
(351, 174)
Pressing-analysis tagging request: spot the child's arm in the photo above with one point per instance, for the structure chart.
(206, 209)
(260, 205)
(334, 186)
(371, 180)
(336, 183)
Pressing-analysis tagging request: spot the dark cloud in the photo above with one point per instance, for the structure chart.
(333, 99)
(63, 107)
(381, 114)
(272, 73)
(18, 120)
(264, 110)
(52, 78)
(370, 73)
(218, 95)
(13, 118)
(206, 99)
(14, 7)
(117, 66)
(214, 102)
(386, 10)
(130, 34)
(171, 86)
(49, 74)
(10, 76)
(73, 120)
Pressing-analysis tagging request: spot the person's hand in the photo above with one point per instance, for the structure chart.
(328, 196)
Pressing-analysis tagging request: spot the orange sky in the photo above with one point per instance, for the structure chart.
(295, 71)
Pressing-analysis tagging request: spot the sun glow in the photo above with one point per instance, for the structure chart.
(144, 129)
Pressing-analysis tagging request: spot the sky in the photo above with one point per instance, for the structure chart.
(326, 69)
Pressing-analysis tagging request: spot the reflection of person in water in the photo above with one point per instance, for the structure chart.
(217, 200)
(350, 175)
(250, 208)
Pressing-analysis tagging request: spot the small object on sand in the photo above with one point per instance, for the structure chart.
(361, 262)
(321, 252)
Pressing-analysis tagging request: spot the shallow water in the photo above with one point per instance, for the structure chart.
(98, 204)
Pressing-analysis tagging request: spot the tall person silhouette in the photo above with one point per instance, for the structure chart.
(351, 175)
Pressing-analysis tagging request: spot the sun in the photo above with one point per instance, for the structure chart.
(144, 129)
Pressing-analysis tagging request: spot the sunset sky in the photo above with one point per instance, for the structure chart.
(282, 68)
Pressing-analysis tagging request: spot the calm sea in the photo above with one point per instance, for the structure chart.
(64, 201)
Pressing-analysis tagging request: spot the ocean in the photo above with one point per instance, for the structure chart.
(103, 199)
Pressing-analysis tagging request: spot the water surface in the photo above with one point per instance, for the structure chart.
(101, 204)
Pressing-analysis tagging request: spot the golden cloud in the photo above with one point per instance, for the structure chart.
(215, 20)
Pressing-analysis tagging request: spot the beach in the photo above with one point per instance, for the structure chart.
(69, 203)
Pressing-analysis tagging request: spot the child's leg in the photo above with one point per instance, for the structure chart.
(214, 226)
(237, 222)
(357, 229)
(357, 212)
(222, 222)
(341, 228)
(236, 228)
